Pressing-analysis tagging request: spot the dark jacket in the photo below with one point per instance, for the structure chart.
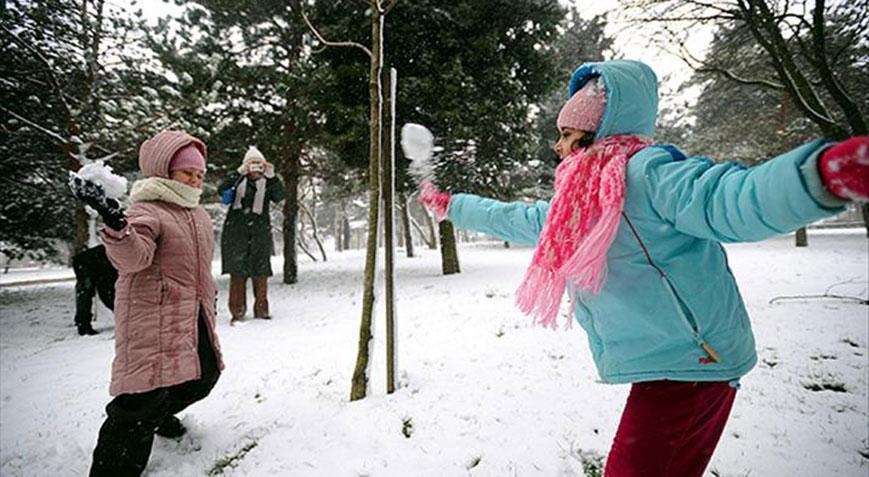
(246, 240)
(94, 274)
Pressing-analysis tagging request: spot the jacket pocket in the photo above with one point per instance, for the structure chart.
(689, 319)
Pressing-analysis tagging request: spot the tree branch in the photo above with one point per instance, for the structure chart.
(50, 70)
(705, 68)
(834, 87)
(759, 20)
(855, 299)
(51, 134)
(332, 43)
(389, 6)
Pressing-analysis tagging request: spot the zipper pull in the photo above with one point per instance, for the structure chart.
(711, 352)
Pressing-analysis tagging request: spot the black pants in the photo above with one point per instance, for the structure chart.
(126, 436)
(94, 274)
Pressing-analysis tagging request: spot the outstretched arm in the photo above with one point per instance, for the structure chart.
(516, 222)
(730, 203)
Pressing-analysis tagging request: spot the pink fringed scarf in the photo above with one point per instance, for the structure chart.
(580, 226)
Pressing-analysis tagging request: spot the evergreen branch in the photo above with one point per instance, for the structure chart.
(51, 134)
(50, 70)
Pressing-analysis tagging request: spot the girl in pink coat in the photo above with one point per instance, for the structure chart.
(167, 355)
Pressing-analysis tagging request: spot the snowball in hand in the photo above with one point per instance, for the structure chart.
(100, 173)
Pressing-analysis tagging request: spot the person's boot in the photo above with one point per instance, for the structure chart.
(85, 329)
(237, 298)
(171, 428)
(261, 298)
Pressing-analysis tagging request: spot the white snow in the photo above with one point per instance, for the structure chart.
(482, 391)
(101, 173)
(417, 142)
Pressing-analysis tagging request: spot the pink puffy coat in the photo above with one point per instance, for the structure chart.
(163, 259)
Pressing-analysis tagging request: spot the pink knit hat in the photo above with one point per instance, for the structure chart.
(156, 153)
(188, 157)
(584, 109)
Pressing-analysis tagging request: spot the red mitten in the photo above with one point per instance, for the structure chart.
(845, 169)
(434, 199)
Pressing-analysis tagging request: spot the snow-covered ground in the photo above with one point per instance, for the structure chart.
(482, 391)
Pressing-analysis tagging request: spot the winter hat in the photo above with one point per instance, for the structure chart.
(253, 155)
(584, 109)
(156, 153)
(188, 157)
(253, 161)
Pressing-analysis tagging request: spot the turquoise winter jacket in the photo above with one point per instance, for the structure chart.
(642, 326)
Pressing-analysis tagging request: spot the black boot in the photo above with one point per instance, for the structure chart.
(87, 329)
(171, 427)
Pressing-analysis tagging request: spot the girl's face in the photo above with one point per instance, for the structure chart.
(570, 139)
(191, 177)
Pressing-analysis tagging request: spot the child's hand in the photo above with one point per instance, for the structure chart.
(269, 170)
(94, 196)
(845, 169)
(434, 199)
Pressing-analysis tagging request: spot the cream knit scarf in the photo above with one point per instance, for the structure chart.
(167, 190)
(258, 198)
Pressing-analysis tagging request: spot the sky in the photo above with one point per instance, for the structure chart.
(666, 64)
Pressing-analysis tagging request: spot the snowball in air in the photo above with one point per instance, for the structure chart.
(416, 142)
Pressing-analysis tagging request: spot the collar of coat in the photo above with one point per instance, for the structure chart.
(167, 190)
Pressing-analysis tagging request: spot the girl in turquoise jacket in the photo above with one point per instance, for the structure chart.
(633, 233)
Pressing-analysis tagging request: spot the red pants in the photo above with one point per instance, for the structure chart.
(669, 428)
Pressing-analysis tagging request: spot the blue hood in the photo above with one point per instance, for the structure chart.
(631, 93)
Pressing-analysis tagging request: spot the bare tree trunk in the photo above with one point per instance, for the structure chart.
(359, 386)
(405, 223)
(80, 239)
(345, 232)
(431, 231)
(430, 240)
(802, 239)
(290, 167)
(336, 227)
(388, 192)
(314, 230)
(864, 209)
(91, 40)
(449, 254)
(846, 103)
(301, 243)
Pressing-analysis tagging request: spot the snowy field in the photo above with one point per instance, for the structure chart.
(482, 391)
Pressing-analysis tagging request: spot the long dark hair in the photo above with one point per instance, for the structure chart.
(586, 140)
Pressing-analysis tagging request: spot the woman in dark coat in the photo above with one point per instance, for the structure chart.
(246, 241)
